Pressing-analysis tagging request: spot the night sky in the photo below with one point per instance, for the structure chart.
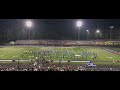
(13, 29)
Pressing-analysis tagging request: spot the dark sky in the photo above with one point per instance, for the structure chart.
(58, 28)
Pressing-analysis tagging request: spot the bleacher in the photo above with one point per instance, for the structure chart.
(85, 43)
(69, 43)
(66, 42)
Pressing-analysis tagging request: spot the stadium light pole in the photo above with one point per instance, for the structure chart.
(29, 25)
(111, 27)
(79, 24)
(97, 31)
(87, 33)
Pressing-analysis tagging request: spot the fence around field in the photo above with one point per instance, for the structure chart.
(15, 60)
(30, 60)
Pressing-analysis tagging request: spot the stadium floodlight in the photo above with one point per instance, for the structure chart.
(29, 23)
(111, 27)
(98, 31)
(87, 33)
(79, 24)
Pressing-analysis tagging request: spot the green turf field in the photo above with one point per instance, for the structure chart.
(116, 49)
(56, 53)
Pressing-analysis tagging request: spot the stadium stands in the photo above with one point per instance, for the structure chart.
(65, 42)
(85, 42)
(45, 42)
(69, 43)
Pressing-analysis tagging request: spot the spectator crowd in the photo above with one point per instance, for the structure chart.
(48, 66)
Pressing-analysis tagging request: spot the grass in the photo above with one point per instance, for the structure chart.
(116, 49)
(26, 53)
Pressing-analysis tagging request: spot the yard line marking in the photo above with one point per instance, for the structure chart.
(68, 52)
(99, 54)
(108, 54)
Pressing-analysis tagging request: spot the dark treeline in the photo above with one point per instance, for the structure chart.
(58, 29)
(55, 35)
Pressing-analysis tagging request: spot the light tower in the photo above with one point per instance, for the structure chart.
(79, 24)
(111, 27)
(97, 32)
(29, 25)
(87, 33)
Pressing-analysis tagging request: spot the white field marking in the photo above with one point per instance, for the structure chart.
(99, 54)
(80, 61)
(17, 51)
(77, 55)
(9, 52)
(110, 55)
(105, 54)
(30, 50)
(71, 61)
(79, 51)
(68, 52)
(14, 52)
(91, 56)
(54, 53)
(73, 51)
(15, 60)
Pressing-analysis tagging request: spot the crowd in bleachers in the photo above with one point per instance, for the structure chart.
(85, 42)
(112, 43)
(46, 42)
(69, 42)
(31, 42)
(65, 42)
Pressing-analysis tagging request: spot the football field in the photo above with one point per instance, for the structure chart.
(95, 54)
